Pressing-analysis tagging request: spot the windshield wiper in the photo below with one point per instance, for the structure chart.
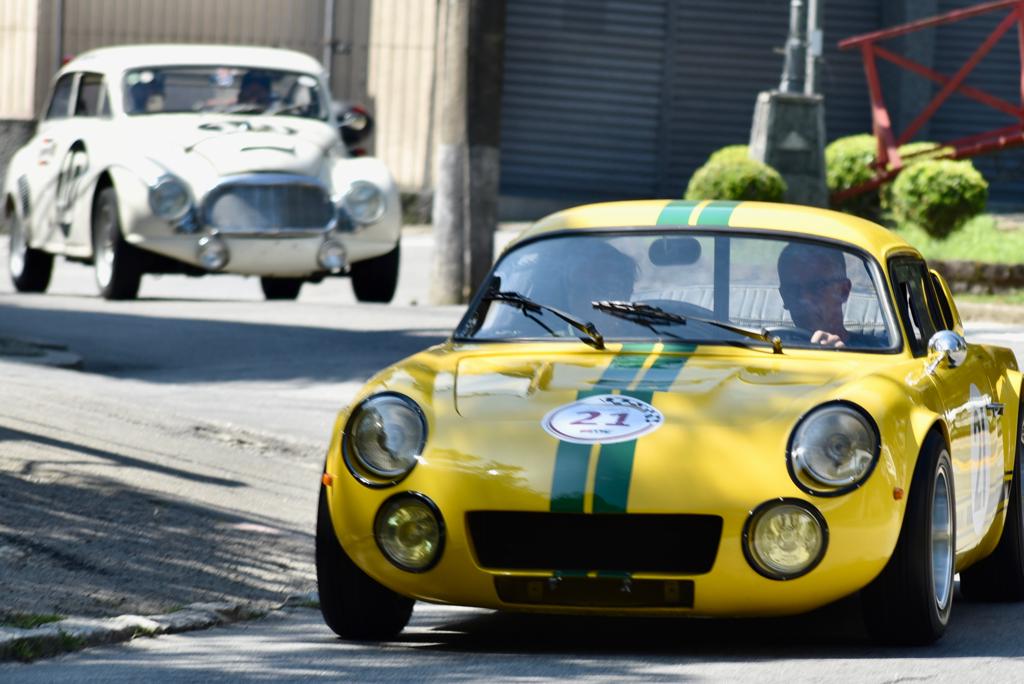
(645, 314)
(529, 307)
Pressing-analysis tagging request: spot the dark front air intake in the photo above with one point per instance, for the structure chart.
(678, 544)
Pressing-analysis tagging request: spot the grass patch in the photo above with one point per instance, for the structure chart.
(1015, 297)
(978, 240)
(28, 620)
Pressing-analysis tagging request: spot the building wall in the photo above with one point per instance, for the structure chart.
(401, 86)
(19, 24)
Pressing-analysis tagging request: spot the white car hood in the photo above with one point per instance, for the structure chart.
(231, 145)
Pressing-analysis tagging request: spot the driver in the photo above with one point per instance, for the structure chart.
(814, 289)
(255, 89)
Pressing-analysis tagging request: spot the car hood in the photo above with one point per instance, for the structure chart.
(713, 390)
(236, 145)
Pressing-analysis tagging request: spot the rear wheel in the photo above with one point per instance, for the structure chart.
(375, 280)
(1000, 577)
(117, 264)
(30, 268)
(354, 606)
(281, 288)
(910, 602)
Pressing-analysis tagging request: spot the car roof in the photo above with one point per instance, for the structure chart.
(123, 57)
(790, 219)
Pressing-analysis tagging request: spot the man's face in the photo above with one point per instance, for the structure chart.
(814, 294)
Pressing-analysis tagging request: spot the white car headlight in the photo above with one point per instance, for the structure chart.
(364, 202)
(169, 198)
(383, 438)
(835, 446)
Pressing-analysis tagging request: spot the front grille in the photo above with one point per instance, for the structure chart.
(252, 206)
(680, 544)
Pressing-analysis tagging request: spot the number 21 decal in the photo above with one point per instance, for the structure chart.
(603, 419)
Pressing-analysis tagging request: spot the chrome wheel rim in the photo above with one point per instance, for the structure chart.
(942, 541)
(18, 249)
(104, 247)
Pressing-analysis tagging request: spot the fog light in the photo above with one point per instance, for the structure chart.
(785, 539)
(332, 257)
(410, 532)
(212, 253)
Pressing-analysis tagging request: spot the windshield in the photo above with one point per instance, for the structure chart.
(230, 90)
(655, 286)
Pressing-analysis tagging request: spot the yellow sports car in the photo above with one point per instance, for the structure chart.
(684, 408)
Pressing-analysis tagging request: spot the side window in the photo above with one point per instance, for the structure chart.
(915, 302)
(58, 108)
(90, 92)
(944, 306)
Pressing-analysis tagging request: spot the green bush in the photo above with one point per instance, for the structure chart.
(737, 178)
(938, 195)
(923, 152)
(729, 153)
(848, 163)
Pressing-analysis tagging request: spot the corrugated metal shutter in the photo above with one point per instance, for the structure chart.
(724, 54)
(582, 97)
(626, 99)
(998, 74)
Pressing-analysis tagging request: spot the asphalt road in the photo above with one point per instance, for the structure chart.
(202, 395)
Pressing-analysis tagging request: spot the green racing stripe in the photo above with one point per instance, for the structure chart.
(615, 461)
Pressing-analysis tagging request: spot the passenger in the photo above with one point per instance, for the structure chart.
(814, 289)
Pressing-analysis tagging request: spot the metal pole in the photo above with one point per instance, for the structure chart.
(328, 54)
(792, 69)
(815, 46)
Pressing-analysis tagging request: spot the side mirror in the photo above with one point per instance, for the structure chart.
(354, 123)
(947, 346)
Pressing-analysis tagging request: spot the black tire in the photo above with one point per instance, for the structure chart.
(354, 606)
(30, 268)
(1000, 576)
(117, 265)
(281, 288)
(375, 280)
(903, 605)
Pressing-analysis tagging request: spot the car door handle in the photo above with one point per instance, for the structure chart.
(996, 408)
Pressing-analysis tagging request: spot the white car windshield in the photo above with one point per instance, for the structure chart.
(693, 287)
(224, 89)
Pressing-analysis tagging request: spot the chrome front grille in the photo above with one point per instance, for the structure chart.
(269, 204)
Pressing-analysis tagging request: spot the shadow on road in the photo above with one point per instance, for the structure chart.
(183, 350)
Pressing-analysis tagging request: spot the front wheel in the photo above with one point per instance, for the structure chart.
(1000, 577)
(375, 280)
(910, 602)
(30, 268)
(281, 288)
(354, 606)
(117, 264)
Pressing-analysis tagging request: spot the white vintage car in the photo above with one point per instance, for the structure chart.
(198, 159)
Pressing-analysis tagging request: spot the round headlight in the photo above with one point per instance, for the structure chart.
(835, 445)
(364, 202)
(385, 435)
(169, 198)
(785, 539)
(410, 532)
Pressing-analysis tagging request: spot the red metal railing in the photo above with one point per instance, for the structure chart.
(888, 162)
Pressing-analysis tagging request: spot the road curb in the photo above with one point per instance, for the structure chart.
(76, 633)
